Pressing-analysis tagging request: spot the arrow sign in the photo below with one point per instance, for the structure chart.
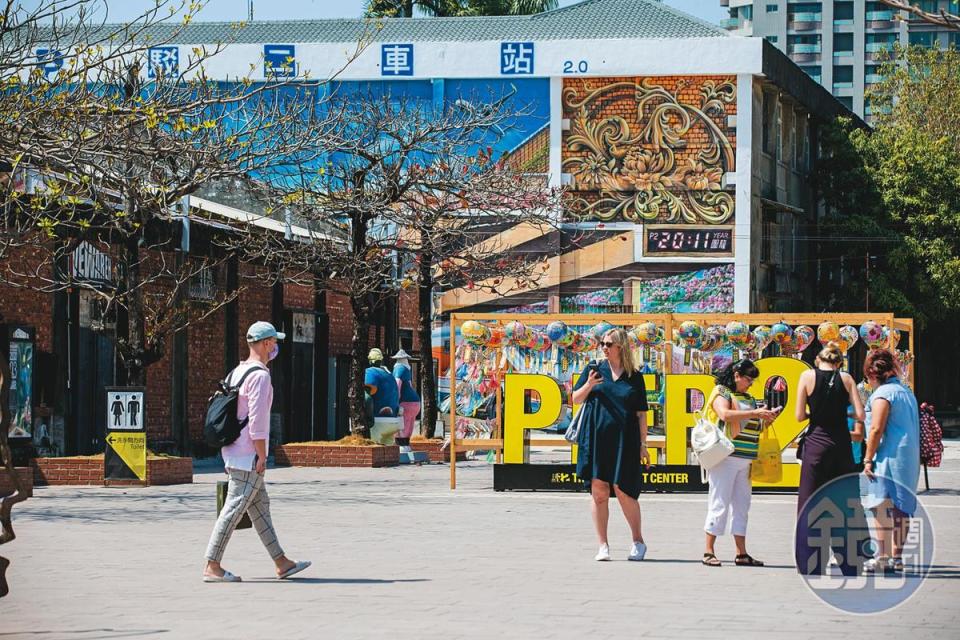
(126, 456)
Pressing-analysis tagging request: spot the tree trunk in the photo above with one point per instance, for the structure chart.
(6, 457)
(358, 364)
(135, 348)
(428, 381)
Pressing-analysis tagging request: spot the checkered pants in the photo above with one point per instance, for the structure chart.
(245, 494)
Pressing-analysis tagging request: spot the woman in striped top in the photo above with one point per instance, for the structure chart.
(729, 406)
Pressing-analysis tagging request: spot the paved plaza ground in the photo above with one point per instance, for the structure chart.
(396, 554)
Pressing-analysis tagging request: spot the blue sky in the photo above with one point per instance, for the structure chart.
(232, 10)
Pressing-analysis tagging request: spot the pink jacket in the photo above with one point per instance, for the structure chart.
(255, 401)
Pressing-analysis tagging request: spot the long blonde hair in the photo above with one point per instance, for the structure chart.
(619, 337)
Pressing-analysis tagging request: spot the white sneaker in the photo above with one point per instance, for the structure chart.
(603, 555)
(638, 551)
(874, 564)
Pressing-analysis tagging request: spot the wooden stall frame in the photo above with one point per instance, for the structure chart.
(666, 320)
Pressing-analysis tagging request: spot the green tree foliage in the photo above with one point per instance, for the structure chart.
(894, 192)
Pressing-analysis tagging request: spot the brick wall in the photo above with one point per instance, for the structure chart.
(297, 296)
(164, 471)
(89, 471)
(254, 304)
(67, 471)
(336, 456)
(341, 323)
(533, 156)
(205, 346)
(24, 306)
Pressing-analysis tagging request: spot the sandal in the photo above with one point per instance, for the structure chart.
(226, 577)
(711, 560)
(746, 560)
(296, 568)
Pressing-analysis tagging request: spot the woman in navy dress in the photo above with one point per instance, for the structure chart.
(613, 437)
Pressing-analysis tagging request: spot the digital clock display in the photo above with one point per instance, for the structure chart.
(696, 240)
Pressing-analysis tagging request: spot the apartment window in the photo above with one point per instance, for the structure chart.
(843, 44)
(746, 12)
(843, 75)
(804, 7)
(846, 101)
(769, 123)
(954, 39)
(800, 146)
(877, 42)
(773, 8)
(803, 44)
(772, 39)
(872, 74)
(843, 11)
(813, 72)
(879, 12)
(923, 38)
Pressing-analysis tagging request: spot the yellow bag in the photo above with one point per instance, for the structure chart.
(768, 466)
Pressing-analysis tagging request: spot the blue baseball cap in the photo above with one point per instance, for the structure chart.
(262, 330)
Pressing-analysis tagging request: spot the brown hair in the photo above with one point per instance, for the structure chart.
(831, 354)
(880, 364)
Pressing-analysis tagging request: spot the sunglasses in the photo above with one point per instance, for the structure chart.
(608, 345)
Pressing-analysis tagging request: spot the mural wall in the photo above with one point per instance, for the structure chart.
(650, 149)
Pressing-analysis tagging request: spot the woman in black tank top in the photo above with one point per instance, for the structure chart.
(825, 451)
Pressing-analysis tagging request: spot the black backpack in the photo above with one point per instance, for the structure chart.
(221, 426)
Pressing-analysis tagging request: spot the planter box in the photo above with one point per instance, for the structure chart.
(80, 470)
(164, 471)
(316, 455)
(432, 449)
(26, 480)
(88, 471)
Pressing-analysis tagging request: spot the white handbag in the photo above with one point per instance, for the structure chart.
(573, 429)
(709, 443)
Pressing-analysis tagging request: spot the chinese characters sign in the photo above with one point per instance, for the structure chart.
(279, 60)
(163, 62)
(516, 58)
(396, 60)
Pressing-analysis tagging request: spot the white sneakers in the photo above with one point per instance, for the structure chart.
(637, 552)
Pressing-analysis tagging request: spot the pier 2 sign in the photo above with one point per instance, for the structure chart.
(679, 415)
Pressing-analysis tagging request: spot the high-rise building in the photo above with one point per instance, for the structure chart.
(840, 43)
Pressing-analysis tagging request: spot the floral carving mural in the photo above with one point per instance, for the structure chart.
(650, 149)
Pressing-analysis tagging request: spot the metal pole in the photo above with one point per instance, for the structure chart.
(868, 282)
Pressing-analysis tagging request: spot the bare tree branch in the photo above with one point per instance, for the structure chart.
(940, 18)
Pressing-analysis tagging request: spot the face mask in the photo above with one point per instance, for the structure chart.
(273, 352)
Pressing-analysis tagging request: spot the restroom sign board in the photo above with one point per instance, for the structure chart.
(125, 408)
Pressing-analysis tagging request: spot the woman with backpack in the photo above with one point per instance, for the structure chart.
(823, 395)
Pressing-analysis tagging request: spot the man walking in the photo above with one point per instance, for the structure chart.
(245, 460)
